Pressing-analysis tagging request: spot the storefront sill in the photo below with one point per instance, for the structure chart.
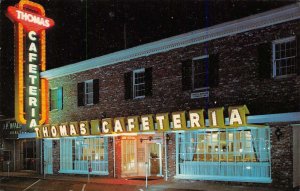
(82, 172)
(224, 178)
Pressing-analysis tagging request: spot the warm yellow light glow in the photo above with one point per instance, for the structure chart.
(44, 101)
(19, 93)
(19, 73)
(32, 4)
(43, 50)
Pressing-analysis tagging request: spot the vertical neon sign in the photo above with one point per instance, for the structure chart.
(30, 60)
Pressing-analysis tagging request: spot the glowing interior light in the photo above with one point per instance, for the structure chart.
(22, 28)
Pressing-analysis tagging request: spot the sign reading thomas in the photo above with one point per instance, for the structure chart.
(146, 123)
(30, 60)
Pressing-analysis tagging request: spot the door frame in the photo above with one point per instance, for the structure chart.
(147, 152)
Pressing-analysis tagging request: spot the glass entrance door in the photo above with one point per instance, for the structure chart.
(153, 153)
(129, 157)
(141, 155)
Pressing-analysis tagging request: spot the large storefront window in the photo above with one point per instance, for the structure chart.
(77, 154)
(225, 154)
(129, 157)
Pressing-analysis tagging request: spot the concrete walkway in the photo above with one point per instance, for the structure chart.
(153, 185)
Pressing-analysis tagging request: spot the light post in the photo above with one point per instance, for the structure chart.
(146, 164)
(8, 163)
(89, 169)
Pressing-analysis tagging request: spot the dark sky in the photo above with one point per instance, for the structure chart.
(90, 28)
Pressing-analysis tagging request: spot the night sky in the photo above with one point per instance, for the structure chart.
(90, 28)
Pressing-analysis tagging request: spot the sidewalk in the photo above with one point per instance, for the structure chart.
(153, 185)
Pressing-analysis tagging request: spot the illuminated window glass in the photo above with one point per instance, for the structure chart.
(56, 98)
(240, 153)
(284, 57)
(129, 158)
(79, 153)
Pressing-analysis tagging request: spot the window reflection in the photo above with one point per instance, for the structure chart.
(227, 145)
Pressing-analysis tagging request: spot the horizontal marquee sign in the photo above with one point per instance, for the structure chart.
(146, 123)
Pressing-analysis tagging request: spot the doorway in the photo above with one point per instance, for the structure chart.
(153, 152)
(30, 155)
(141, 155)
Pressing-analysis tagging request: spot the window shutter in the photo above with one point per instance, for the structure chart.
(186, 75)
(213, 70)
(148, 82)
(80, 94)
(95, 91)
(298, 54)
(264, 53)
(50, 99)
(60, 98)
(128, 85)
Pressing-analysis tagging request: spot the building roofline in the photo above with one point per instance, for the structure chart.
(268, 18)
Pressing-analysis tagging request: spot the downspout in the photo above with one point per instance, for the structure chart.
(206, 60)
(41, 157)
(166, 158)
(114, 148)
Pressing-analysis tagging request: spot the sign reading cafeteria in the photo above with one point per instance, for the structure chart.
(146, 123)
(30, 59)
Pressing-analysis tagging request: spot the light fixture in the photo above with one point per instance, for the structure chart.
(168, 138)
(278, 133)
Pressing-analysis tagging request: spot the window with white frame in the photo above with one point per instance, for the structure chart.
(284, 57)
(88, 92)
(200, 72)
(77, 154)
(56, 99)
(236, 154)
(139, 83)
(129, 156)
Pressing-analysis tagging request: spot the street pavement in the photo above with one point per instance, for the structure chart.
(26, 181)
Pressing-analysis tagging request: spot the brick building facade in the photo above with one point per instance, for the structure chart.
(237, 64)
(252, 61)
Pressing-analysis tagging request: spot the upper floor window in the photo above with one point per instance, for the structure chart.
(88, 92)
(138, 83)
(200, 72)
(56, 98)
(284, 57)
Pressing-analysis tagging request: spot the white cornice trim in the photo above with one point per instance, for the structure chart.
(276, 16)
